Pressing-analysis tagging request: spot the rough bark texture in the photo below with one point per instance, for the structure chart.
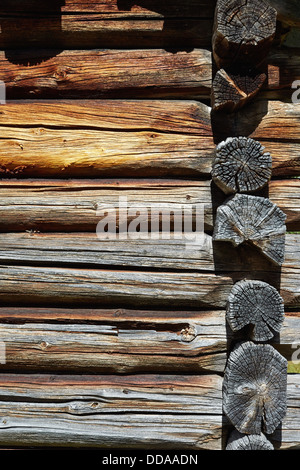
(240, 165)
(256, 303)
(231, 91)
(238, 441)
(243, 32)
(253, 219)
(254, 388)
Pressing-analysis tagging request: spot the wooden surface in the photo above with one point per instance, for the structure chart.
(118, 343)
(102, 411)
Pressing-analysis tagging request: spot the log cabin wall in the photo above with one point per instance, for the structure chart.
(124, 343)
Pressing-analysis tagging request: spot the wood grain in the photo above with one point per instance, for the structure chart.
(90, 411)
(123, 73)
(122, 341)
(134, 138)
(79, 205)
(50, 286)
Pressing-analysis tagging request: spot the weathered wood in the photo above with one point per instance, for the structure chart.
(122, 341)
(231, 91)
(87, 138)
(142, 73)
(111, 412)
(112, 24)
(243, 32)
(49, 286)
(129, 8)
(240, 165)
(238, 441)
(252, 219)
(255, 303)
(78, 205)
(105, 73)
(173, 252)
(254, 388)
(169, 412)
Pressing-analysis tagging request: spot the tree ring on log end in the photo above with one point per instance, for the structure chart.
(232, 91)
(252, 219)
(254, 388)
(243, 32)
(240, 165)
(238, 441)
(255, 303)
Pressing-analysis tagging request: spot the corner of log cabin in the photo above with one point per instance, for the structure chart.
(111, 107)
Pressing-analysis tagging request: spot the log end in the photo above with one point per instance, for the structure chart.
(241, 165)
(254, 388)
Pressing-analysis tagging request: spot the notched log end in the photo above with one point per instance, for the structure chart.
(258, 304)
(231, 91)
(255, 220)
(254, 388)
(241, 165)
(238, 441)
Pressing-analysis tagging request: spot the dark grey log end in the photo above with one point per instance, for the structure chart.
(255, 303)
(241, 165)
(231, 92)
(238, 441)
(252, 219)
(254, 388)
(243, 32)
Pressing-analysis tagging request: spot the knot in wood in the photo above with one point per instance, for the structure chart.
(188, 334)
(241, 165)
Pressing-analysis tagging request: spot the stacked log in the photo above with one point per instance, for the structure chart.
(255, 379)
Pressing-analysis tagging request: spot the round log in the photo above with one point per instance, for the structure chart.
(240, 165)
(254, 388)
(243, 32)
(255, 220)
(255, 303)
(231, 92)
(238, 441)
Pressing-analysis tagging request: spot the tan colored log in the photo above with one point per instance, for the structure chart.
(135, 138)
(120, 73)
(167, 412)
(122, 341)
(79, 205)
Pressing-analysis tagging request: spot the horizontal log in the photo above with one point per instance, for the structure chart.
(132, 138)
(119, 73)
(122, 341)
(167, 412)
(174, 252)
(78, 205)
(130, 8)
(50, 286)
(111, 24)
